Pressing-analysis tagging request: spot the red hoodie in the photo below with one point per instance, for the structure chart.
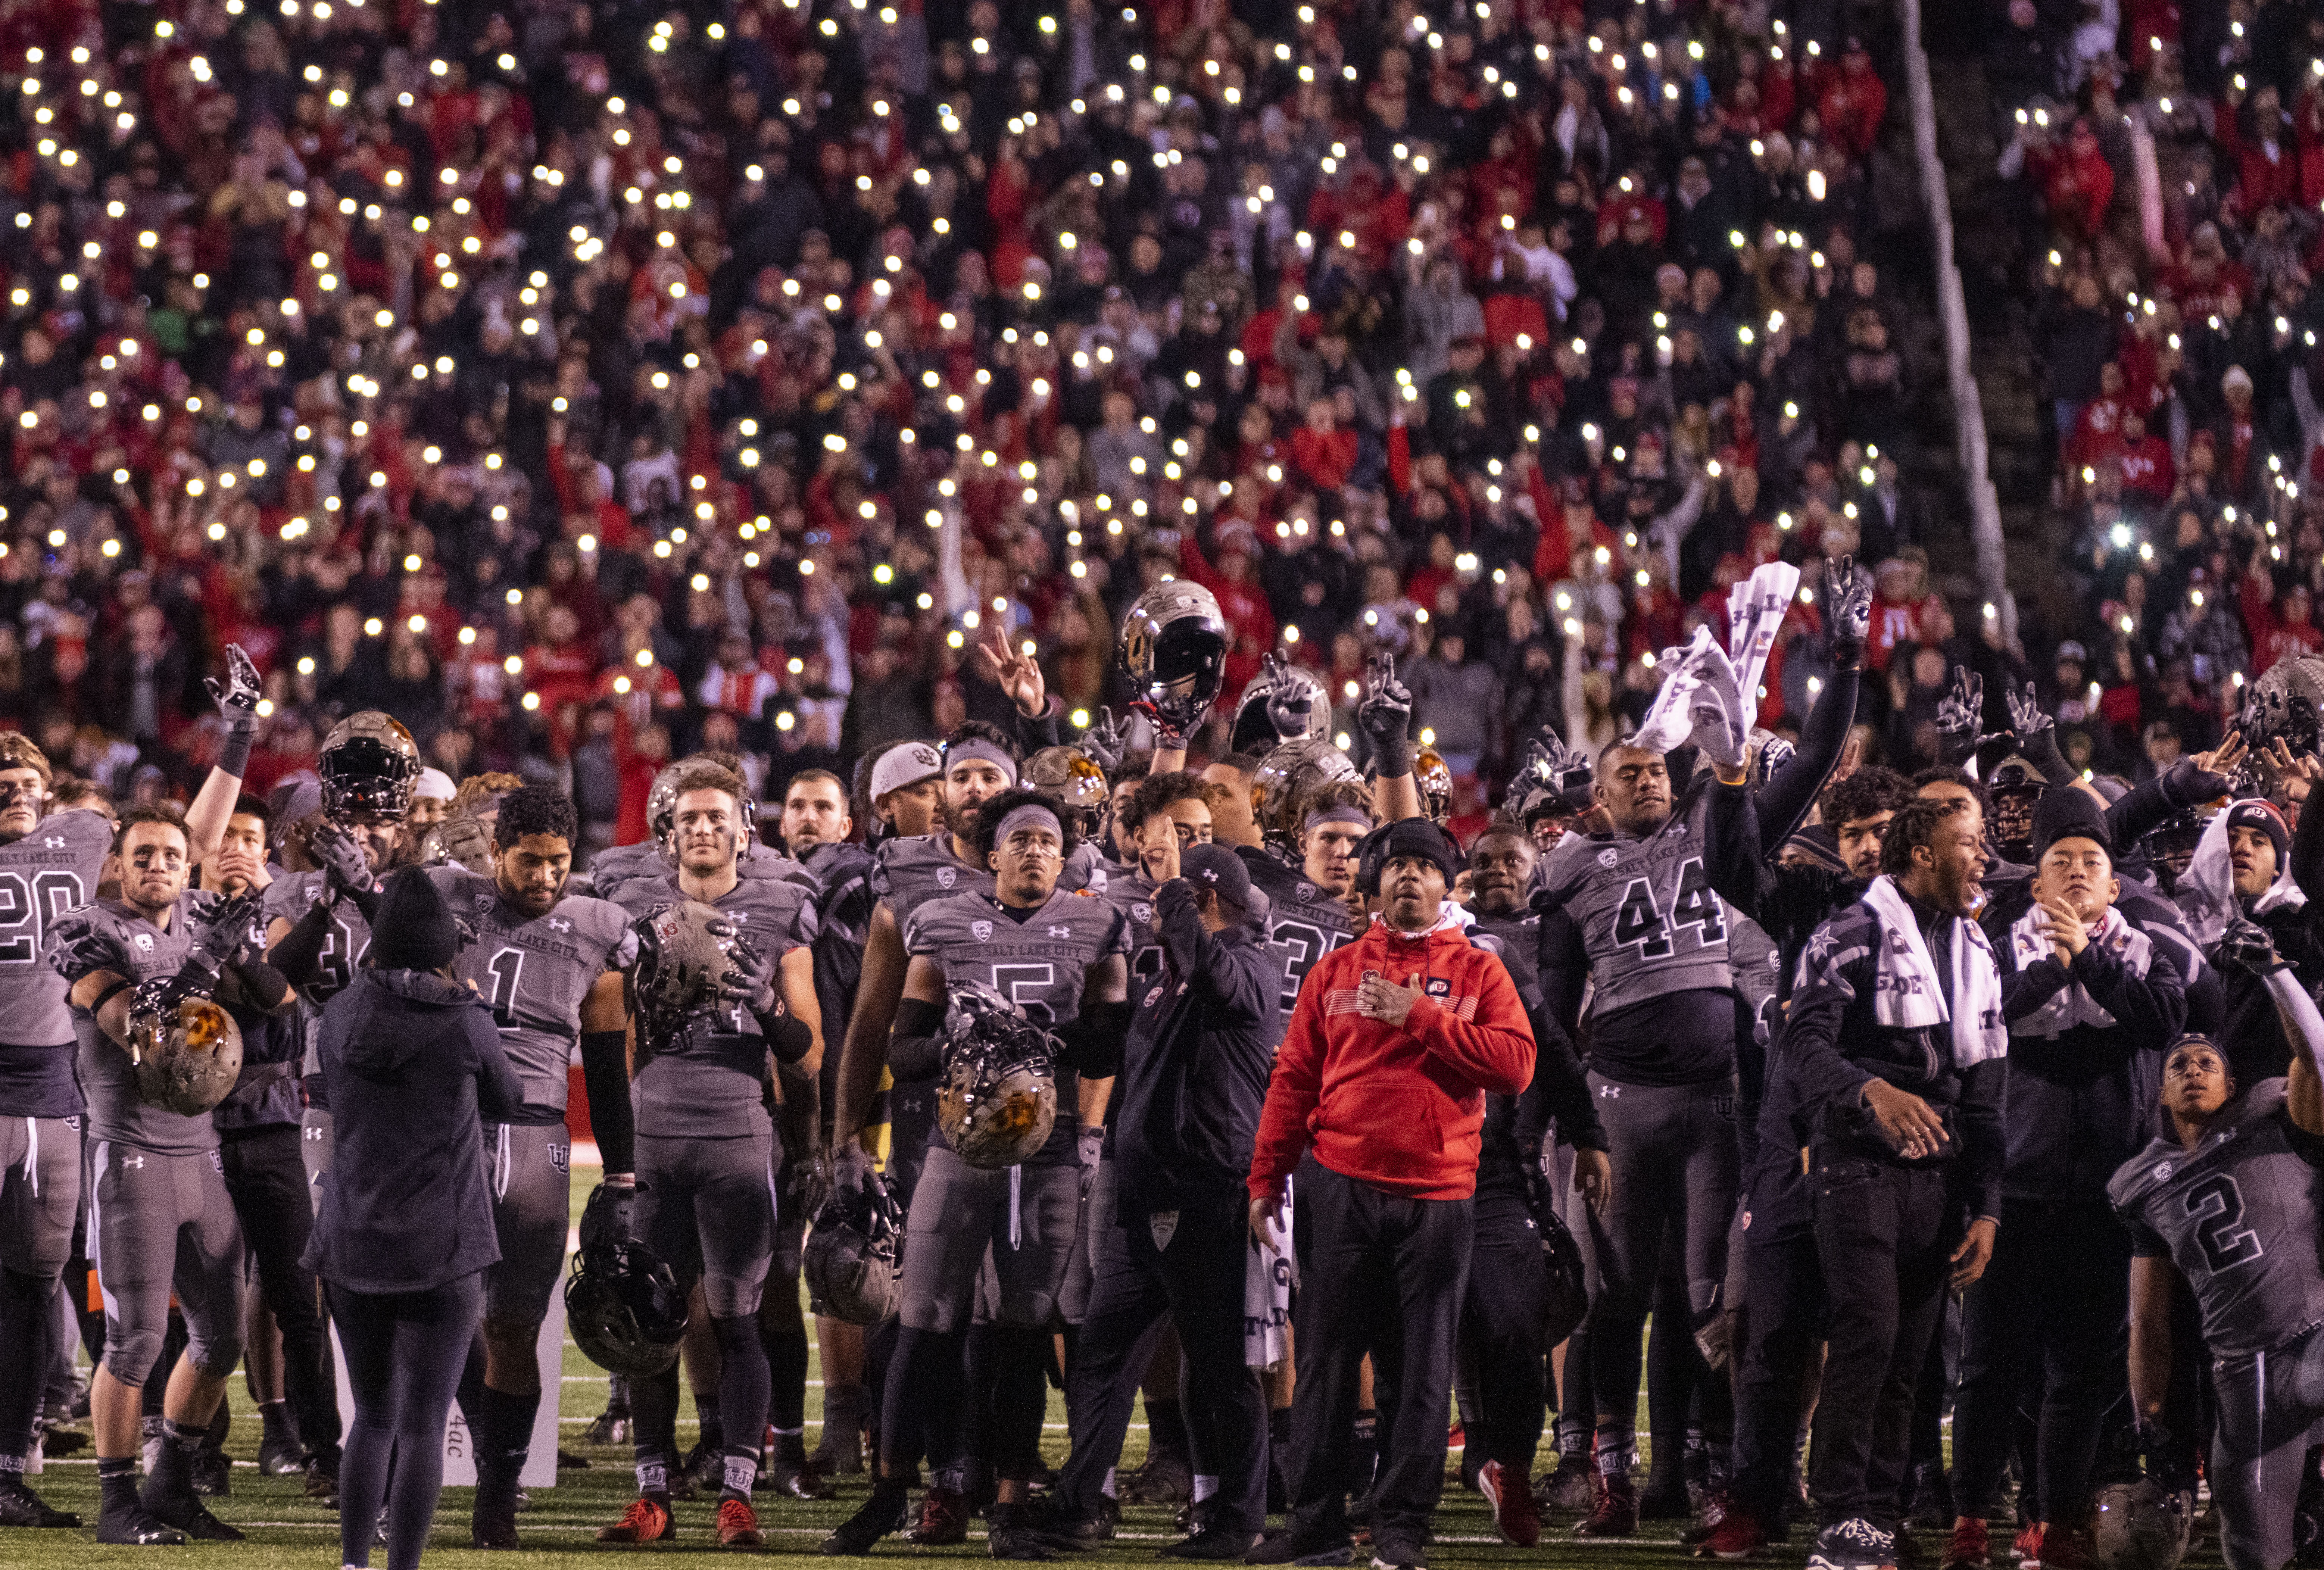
(1399, 1107)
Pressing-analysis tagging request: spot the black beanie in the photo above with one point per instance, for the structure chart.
(2070, 813)
(2262, 815)
(1406, 836)
(414, 930)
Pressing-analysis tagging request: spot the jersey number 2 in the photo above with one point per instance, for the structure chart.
(25, 911)
(2216, 1205)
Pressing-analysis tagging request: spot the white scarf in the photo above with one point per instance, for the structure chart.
(1908, 993)
(2070, 1005)
(2207, 893)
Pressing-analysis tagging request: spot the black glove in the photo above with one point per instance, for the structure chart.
(346, 866)
(1175, 895)
(2168, 1462)
(1089, 1149)
(1564, 770)
(750, 979)
(1102, 742)
(608, 1216)
(2246, 946)
(1960, 716)
(237, 698)
(1386, 717)
(2025, 714)
(1290, 705)
(1848, 604)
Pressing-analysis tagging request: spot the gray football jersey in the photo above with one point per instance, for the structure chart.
(1039, 964)
(1305, 922)
(1649, 920)
(610, 869)
(345, 943)
(109, 936)
(707, 1086)
(2240, 1217)
(1132, 894)
(50, 871)
(906, 873)
(535, 972)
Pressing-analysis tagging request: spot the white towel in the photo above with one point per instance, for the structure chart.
(1268, 1277)
(1756, 609)
(2070, 1005)
(2207, 890)
(1909, 995)
(1670, 718)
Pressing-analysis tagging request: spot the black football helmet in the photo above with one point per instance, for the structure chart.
(1174, 650)
(624, 1309)
(368, 766)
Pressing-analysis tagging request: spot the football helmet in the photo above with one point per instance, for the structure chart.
(624, 1309)
(1066, 776)
(462, 838)
(1432, 778)
(2139, 1526)
(1284, 702)
(998, 1099)
(368, 765)
(1286, 777)
(1174, 650)
(187, 1056)
(689, 953)
(849, 1260)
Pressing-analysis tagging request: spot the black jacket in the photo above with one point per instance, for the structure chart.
(1195, 1072)
(414, 1065)
(1832, 1043)
(2084, 1100)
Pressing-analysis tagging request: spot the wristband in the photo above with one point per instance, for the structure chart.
(233, 755)
(107, 995)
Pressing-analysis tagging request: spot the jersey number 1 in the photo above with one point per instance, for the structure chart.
(505, 968)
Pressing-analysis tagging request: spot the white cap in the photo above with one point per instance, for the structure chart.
(904, 765)
(434, 785)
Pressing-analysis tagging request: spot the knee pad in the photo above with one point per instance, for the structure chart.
(214, 1356)
(732, 1297)
(736, 1333)
(131, 1350)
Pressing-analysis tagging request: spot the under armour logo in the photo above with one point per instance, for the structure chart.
(1061, 932)
(1609, 1093)
(557, 923)
(132, 1160)
(54, 841)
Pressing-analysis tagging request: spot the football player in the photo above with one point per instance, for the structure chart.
(2226, 1201)
(52, 858)
(160, 1217)
(550, 965)
(706, 1152)
(319, 918)
(1056, 957)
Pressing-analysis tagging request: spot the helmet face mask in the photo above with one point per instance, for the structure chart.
(849, 1260)
(2139, 1526)
(187, 1059)
(997, 1100)
(1075, 784)
(367, 767)
(1283, 780)
(623, 1310)
(1173, 646)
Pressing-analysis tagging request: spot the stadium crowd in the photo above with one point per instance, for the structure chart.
(607, 516)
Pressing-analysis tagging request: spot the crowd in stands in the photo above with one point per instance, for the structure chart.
(587, 384)
(2166, 170)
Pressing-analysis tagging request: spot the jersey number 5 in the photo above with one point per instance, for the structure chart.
(1025, 986)
(1640, 924)
(2216, 1205)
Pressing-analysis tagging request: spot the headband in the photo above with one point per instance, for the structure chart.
(1338, 812)
(1031, 815)
(978, 747)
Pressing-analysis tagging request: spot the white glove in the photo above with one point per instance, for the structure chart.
(1722, 726)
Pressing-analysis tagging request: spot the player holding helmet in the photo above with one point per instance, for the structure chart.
(549, 963)
(1055, 958)
(160, 1220)
(50, 863)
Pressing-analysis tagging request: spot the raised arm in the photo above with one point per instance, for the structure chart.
(237, 699)
(1785, 800)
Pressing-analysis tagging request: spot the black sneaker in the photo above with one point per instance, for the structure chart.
(792, 1479)
(882, 1513)
(279, 1455)
(1399, 1553)
(21, 1507)
(1211, 1543)
(136, 1526)
(190, 1516)
(492, 1523)
(1012, 1533)
(212, 1474)
(1855, 1544)
(323, 1479)
(1286, 1547)
(1077, 1533)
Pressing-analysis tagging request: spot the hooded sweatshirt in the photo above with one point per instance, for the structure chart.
(414, 1068)
(1397, 1107)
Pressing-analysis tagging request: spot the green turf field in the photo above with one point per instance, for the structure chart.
(286, 1530)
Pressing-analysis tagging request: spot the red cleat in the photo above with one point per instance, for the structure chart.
(1737, 1536)
(645, 1521)
(1510, 1493)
